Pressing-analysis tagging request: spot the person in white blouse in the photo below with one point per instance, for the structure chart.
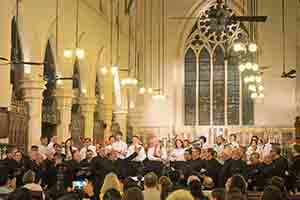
(253, 148)
(119, 146)
(108, 147)
(154, 150)
(233, 141)
(87, 145)
(136, 143)
(178, 153)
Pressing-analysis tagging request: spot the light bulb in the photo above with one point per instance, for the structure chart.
(134, 81)
(142, 90)
(255, 67)
(258, 79)
(261, 88)
(114, 69)
(254, 95)
(248, 65)
(68, 53)
(238, 47)
(252, 88)
(103, 70)
(123, 82)
(59, 82)
(251, 78)
(27, 69)
(252, 47)
(246, 79)
(261, 95)
(102, 97)
(242, 67)
(80, 54)
(150, 90)
(84, 91)
(131, 105)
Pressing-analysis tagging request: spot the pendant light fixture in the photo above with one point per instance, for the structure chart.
(77, 52)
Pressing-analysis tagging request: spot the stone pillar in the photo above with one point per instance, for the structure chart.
(64, 105)
(121, 119)
(87, 105)
(107, 118)
(33, 90)
(5, 40)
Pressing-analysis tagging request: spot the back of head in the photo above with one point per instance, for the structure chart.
(235, 194)
(180, 195)
(29, 177)
(111, 181)
(238, 181)
(150, 180)
(165, 183)
(112, 194)
(271, 193)
(218, 194)
(20, 194)
(133, 193)
(196, 189)
(70, 196)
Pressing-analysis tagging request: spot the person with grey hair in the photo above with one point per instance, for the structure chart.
(29, 183)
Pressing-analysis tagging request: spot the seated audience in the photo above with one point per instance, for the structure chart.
(35, 189)
(133, 193)
(180, 195)
(217, 194)
(166, 187)
(112, 194)
(151, 188)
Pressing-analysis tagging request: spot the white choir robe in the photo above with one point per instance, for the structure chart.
(250, 151)
(266, 150)
(84, 149)
(177, 155)
(151, 154)
(141, 154)
(120, 147)
(234, 145)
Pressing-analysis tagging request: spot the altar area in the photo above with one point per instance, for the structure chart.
(244, 134)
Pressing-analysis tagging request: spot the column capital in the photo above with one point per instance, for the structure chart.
(33, 89)
(87, 104)
(64, 97)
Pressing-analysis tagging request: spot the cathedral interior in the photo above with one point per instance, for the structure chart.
(86, 68)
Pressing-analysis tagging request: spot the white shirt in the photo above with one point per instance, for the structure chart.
(141, 155)
(177, 155)
(266, 149)
(250, 151)
(50, 146)
(151, 154)
(234, 145)
(84, 149)
(219, 148)
(120, 146)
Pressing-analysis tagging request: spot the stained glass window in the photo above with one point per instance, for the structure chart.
(212, 86)
(204, 87)
(233, 97)
(218, 87)
(190, 87)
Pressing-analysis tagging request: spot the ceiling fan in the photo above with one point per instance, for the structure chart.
(292, 73)
(6, 61)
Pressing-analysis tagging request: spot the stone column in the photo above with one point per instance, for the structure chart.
(107, 118)
(5, 40)
(121, 119)
(33, 94)
(64, 105)
(87, 105)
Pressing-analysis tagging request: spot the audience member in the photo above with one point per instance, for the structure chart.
(166, 187)
(133, 193)
(180, 195)
(272, 193)
(151, 188)
(112, 194)
(217, 194)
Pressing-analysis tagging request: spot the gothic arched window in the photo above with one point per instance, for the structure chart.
(212, 82)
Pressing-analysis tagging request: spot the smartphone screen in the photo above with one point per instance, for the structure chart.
(79, 185)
